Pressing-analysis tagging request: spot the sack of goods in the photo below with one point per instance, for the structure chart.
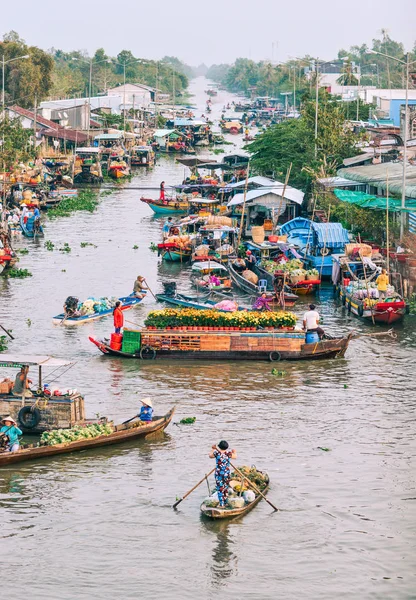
(250, 276)
(212, 501)
(237, 502)
(201, 250)
(249, 496)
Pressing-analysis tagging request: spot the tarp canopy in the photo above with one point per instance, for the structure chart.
(364, 200)
(188, 123)
(208, 264)
(21, 360)
(163, 132)
(302, 231)
(109, 136)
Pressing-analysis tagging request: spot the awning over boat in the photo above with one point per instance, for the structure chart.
(20, 360)
(208, 264)
(109, 136)
(374, 202)
(163, 132)
(87, 150)
(193, 161)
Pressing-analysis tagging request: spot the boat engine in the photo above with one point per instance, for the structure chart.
(170, 288)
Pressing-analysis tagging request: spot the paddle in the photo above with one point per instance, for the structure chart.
(255, 488)
(191, 490)
(148, 287)
(5, 331)
(129, 420)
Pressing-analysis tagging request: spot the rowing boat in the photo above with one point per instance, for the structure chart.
(124, 432)
(232, 513)
(252, 288)
(127, 302)
(167, 207)
(29, 228)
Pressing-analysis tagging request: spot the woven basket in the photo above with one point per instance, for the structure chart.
(257, 234)
(365, 249)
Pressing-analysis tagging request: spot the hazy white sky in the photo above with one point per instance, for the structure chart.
(210, 31)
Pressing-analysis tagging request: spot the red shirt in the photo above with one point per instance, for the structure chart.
(118, 317)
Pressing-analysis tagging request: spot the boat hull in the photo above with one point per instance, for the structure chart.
(165, 209)
(175, 255)
(271, 346)
(218, 513)
(119, 436)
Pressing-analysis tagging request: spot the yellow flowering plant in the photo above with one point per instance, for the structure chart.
(191, 317)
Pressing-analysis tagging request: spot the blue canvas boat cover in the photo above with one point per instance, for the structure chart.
(330, 235)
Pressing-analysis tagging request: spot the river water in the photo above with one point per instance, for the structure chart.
(99, 524)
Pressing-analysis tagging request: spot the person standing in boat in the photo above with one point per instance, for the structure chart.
(311, 321)
(146, 411)
(162, 191)
(382, 282)
(118, 317)
(10, 430)
(166, 228)
(222, 456)
(251, 260)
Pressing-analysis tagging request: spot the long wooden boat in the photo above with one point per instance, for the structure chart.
(385, 313)
(122, 433)
(210, 344)
(232, 513)
(28, 228)
(127, 302)
(173, 253)
(168, 207)
(198, 302)
(253, 289)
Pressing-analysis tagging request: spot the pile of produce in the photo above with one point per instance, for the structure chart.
(240, 494)
(76, 434)
(368, 291)
(181, 241)
(291, 267)
(191, 317)
(96, 305)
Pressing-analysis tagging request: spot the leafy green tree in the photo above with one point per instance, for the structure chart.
(16, 144)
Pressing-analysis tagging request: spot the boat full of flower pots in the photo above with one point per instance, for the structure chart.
(214, 335)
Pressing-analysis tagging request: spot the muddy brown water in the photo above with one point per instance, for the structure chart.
(99, 524)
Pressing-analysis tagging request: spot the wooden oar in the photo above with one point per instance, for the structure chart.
(129, 420)
(255, 488)
(148, 287)
(8, 333)
(192, 489)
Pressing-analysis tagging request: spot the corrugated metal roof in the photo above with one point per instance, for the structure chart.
(356, 160)
(163, 132)
(188, 123)
(258, 180)
(376, 175)
(290, 194)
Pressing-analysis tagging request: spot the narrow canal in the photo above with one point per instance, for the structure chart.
(100, 524)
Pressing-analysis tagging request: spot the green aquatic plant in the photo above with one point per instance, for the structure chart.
(153, 247)
(65, 248)
(135, 247)
(49, 245)
(187, 420)
(28, 322)
(3, 343)
(22, 251)
(85, 244)
(86, 200)
(18, 273)
(278, 373)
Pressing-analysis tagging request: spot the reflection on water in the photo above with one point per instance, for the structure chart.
(102, 518)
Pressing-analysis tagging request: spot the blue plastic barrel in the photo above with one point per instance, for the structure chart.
(312, 337)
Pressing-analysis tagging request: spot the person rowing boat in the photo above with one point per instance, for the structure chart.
(223, 457)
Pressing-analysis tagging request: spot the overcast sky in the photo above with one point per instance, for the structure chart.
(210, 31)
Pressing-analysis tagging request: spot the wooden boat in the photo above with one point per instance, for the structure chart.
(173, 253)
(167, 207)
(203, 269)
(253, 289)
(86, 166)
(122, 433)
(232, 513)
(118, 170)
(29, 230)
(216, 344)
(127, 302)
(301, 288)
(381, 312)
(142, 156)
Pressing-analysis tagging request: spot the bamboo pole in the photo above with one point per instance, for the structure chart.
(254, 487)
(283, 194)
(244, 208)
(192, 489)
(387, 223)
